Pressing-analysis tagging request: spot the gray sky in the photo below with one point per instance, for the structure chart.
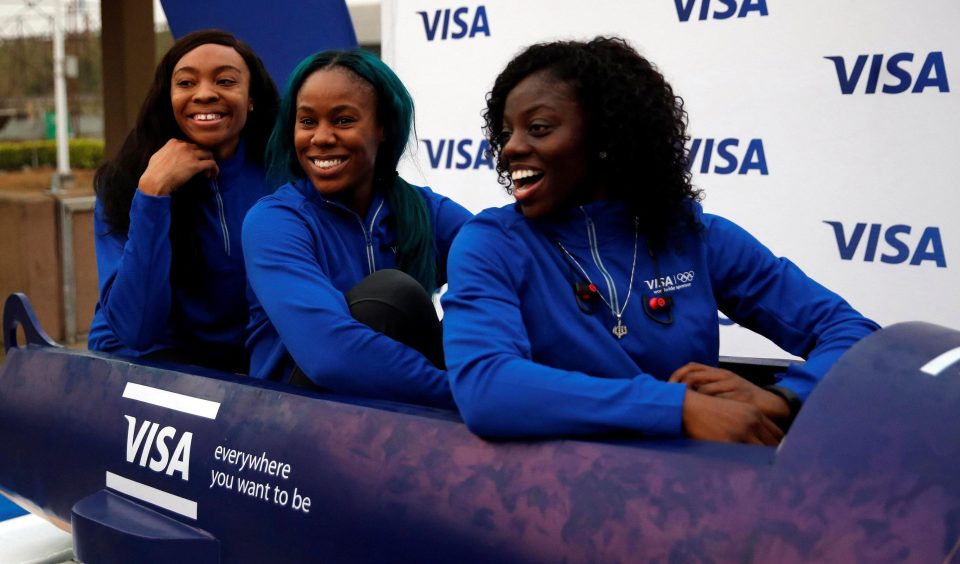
(32, 17)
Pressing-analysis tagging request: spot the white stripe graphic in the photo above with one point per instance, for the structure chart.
(160, 498)
(172, 400)
(939, 364)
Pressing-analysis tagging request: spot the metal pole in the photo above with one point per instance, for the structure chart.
(60, 99)
(68, 207)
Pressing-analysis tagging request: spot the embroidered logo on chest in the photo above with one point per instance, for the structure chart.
(671, 283)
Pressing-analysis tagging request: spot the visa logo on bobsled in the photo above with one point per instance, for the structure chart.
(897, 240)
(727, 156)
(894, 76)
(461, 154)
(455, 23)
(722, 9)
(149, 439)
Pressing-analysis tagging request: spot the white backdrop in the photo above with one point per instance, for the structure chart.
(858, 188)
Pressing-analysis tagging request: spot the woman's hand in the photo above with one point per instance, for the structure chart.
(724, 384)
(716, 419)
(173, 165)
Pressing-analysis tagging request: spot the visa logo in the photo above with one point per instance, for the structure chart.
(453, 23)
(658, 283)
(727, 156)
(722, 9)
(899, 246)
(460, 154)
(894, 76)
(149, 439)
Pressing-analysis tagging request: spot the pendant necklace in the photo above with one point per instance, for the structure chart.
(619, 330)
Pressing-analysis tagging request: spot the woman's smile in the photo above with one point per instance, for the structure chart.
(525, 183)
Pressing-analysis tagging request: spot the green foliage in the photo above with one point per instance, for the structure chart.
(84, 153)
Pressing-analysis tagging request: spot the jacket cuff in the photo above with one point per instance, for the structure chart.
(794, 403)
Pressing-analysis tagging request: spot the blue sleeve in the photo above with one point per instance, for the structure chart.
(773, 297)
(500, 390)
(314, 323)
(134, 272)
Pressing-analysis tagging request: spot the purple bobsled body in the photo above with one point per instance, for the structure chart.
(149, 463)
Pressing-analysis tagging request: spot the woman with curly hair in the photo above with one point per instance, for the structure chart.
(343, 257)
(171, 203)
(590, 305)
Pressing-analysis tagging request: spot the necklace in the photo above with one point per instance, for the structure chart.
(619, 330)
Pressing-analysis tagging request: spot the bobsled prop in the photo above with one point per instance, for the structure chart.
(160, 463)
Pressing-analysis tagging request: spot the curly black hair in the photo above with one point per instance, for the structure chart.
(631, 115)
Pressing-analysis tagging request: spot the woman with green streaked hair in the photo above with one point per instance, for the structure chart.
(342, 258)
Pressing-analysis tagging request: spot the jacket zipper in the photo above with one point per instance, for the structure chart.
(223, 217)
(368, 237)
(595, 253)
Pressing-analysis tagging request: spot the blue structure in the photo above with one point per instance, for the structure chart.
(155, 463)
(282, 32)
(8, 509)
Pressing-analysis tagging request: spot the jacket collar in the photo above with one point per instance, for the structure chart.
(305, 187)
(610, 220)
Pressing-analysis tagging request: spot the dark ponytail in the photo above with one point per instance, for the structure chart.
(415, 253)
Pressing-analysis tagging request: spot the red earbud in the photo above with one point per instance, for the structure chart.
(659, 302)
(586, 292)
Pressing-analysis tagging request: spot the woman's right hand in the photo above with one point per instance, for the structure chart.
(716, 419)
(173, 165)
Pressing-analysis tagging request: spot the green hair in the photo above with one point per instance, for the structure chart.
(415, 252)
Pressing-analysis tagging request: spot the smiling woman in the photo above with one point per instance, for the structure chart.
(590, 305)
(341, 259)
(170, 206)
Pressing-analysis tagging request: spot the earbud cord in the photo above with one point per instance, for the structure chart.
(619, 329)
(646, 307)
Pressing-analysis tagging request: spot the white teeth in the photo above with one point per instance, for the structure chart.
(329, 163)
(207, 117)
(521, 174)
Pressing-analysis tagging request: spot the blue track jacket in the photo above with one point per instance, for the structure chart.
(303, 253)
(525, 360)
(139, 312)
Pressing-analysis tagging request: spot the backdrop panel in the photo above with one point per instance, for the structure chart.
(826, 129)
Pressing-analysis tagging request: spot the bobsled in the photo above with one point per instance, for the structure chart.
(159, 463)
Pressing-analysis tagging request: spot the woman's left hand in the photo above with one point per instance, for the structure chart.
(722, 383)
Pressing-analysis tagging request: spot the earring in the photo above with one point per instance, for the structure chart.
(603, 155)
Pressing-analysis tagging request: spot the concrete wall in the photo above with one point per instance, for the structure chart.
(31, 260)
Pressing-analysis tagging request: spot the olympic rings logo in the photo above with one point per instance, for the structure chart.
(685, 277)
